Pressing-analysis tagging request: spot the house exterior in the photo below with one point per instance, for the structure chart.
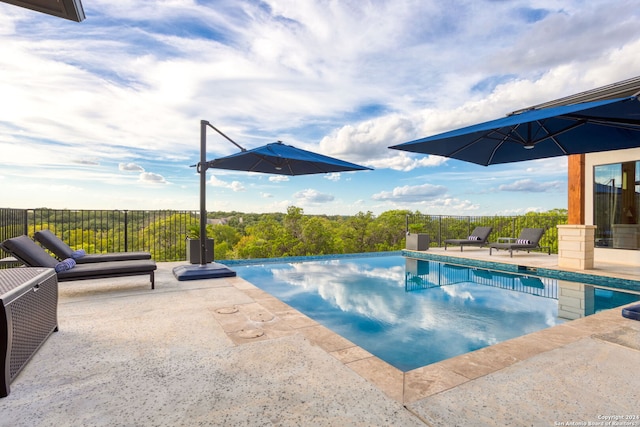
(611, 203)
(604, 196)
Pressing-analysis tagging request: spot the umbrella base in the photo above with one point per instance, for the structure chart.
(206, 271)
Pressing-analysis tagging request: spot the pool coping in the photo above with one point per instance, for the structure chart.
(420, 383)
(592, 278)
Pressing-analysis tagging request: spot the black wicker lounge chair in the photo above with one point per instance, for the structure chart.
(528, 240)
(62, 251)
(478, 237)
(32, 255)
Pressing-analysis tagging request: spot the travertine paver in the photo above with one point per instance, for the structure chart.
(224, 352)
(579, 383)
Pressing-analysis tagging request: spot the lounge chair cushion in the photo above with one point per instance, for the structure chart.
(478, 237)
(113, 256)
(25, 249)
(528, 239)
(108, 269)
(62, 251)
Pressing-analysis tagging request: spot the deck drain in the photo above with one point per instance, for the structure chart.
(250, 333)
(262, 317)
(227, 310)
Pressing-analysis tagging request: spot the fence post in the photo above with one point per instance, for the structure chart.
(126, 232)
(25, 221)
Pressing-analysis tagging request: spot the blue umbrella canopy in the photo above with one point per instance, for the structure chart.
(281, 159)
(539, 133)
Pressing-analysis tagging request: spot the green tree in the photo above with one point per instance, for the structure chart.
(388, 231)
(356, 231)
(317, 237)
(251, 247)
(224, 234)
(293, 222)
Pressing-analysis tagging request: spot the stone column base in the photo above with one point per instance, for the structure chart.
(575, 246)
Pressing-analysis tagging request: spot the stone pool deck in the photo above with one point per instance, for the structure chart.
(224, 353)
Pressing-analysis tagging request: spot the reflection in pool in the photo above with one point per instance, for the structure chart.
(410, 312)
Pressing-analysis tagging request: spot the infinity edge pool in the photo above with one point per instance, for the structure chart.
(430, 380)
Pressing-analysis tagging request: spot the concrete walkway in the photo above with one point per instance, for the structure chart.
(224, 353)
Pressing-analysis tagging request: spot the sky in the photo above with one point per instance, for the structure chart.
(105, 114)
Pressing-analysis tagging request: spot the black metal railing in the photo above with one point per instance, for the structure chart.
(442, 227)
(13, 222)
(164, 232)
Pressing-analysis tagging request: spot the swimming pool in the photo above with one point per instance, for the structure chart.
(411, 313)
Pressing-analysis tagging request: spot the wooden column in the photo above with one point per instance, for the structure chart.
(576, 202)
(576, 240)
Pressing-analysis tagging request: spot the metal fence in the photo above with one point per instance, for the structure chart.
(442, 227)
(13, 222)
(163, 233)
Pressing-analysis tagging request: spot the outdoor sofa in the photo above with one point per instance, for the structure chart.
(479, 237)
(32, 255)
(528, 240)
(62, 251)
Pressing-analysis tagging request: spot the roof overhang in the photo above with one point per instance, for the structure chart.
(623, 89)
(67, 9)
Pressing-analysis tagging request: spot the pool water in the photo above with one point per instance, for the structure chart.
(411, 313)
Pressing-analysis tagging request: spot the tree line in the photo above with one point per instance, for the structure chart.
(296, 234)
(246, 236)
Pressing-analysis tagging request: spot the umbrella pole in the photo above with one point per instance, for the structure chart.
(203, 191)
(203, 270)
(203, 166)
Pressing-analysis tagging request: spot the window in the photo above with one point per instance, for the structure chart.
(616, 201)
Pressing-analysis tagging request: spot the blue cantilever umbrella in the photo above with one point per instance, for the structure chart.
(281, 159)
(275, 158)
(539, 133)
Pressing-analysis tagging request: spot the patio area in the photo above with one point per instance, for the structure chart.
(223, 352)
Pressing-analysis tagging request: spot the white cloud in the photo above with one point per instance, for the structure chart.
(130, 167)
(88, 162)
(313, 196)
(335, 176)
(150, 177)
(234, 185)
(237, 186)
(366, 142)
(411, 193)
(521, 210)
(407, 162)
(278, 178)
(531, 186)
